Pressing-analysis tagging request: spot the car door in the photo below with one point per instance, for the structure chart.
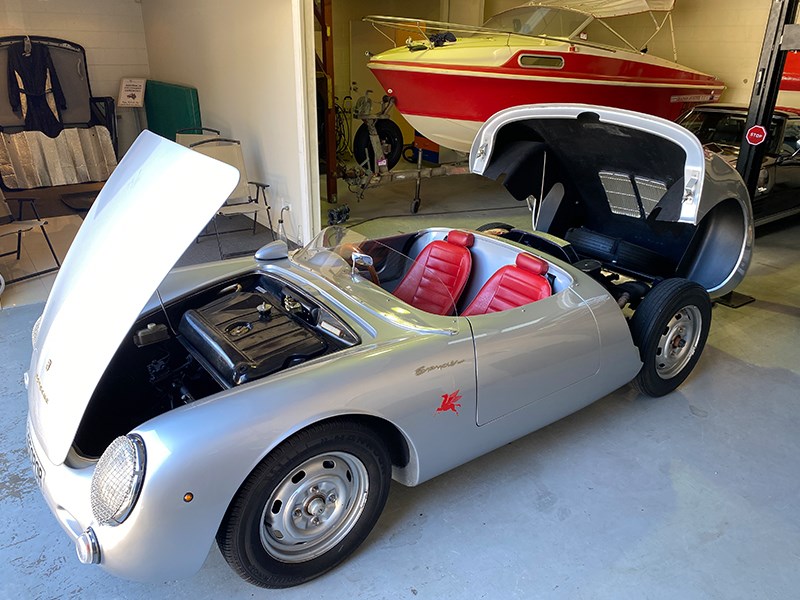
(783, 195)
(524, 355)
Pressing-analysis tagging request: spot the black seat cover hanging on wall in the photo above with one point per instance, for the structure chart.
(34, 90)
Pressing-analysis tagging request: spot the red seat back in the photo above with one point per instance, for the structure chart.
(512, 286)
(438, 276)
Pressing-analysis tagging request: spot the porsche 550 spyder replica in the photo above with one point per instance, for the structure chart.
(266, 402)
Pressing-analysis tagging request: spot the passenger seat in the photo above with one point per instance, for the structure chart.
(512, 286)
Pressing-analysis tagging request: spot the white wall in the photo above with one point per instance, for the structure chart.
(346, 13)
(111, 31)
(247, 60)
(463, 12)
(722, 37)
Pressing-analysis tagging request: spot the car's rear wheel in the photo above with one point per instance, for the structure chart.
(307, 506)
(670, 328)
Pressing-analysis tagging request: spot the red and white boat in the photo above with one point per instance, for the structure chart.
(448, 79)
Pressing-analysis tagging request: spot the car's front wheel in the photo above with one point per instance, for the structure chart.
(307, 506)
(670, 328)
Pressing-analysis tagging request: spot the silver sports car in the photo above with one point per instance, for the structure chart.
(266, 402)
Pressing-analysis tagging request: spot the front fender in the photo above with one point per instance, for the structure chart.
(210, 447)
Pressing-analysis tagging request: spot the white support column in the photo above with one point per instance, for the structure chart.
(305, 225)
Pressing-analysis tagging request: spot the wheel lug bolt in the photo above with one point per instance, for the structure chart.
(331, 498)
(315, 521)
(314, 490)
(297, 512)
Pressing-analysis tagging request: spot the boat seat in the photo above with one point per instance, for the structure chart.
(439, 274)
(512, 286)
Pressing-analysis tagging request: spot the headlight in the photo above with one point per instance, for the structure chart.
(118, 479)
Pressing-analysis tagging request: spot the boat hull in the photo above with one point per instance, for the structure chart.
(447, 99)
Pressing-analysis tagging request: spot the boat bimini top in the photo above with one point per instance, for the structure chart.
(537, 19)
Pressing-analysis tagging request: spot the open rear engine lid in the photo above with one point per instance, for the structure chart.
(592, 138)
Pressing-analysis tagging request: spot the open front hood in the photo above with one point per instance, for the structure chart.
(587, 140)
(156, 201)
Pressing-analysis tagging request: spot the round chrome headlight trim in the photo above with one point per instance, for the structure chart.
(117, 480)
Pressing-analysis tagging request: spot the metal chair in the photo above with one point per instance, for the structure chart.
(192, 135)
(242, 200)
(18, 226)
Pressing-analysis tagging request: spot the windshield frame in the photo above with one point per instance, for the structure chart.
(531, 11)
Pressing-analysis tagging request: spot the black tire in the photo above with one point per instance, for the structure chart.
(670, 328)
(495, 225)
(391, 138)
(300, 513)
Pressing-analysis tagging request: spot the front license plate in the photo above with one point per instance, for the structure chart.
(38, 470)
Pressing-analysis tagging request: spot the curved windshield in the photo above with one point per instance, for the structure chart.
(539, 20)
(378, 274)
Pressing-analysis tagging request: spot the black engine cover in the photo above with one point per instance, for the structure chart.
(242, 343)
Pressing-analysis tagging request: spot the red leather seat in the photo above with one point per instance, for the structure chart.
(438, 276)
(512, 286)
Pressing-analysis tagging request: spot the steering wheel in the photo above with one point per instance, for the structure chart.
(347, 250)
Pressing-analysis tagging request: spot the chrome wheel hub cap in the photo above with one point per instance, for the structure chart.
(314, 508)
(678, 342)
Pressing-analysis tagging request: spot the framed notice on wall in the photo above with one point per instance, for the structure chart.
(131, 93)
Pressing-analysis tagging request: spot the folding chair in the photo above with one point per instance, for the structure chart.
(18, 226)
(242, 200)
(192, 135)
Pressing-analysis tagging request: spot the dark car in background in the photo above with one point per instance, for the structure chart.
(721, 129)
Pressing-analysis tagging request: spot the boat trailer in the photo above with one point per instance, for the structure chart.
(365, 176)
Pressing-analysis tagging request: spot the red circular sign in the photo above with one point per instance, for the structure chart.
(755, 135)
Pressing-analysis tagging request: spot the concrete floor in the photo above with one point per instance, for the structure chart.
(694, 495)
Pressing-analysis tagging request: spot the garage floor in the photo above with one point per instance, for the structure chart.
(694, 495)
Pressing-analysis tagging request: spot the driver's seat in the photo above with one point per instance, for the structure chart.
(439, 274)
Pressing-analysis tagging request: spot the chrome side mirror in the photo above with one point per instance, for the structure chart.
(360, 260)
(272, 251)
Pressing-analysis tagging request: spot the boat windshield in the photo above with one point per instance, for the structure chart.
(371, 270)
(539, 20)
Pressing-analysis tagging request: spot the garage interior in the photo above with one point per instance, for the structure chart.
(691, 496)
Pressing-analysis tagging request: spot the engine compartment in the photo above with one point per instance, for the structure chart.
(225, 335)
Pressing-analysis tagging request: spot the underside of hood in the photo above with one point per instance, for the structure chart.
(156, 201)
(533, 146)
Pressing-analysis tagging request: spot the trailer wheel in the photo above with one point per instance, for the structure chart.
(391, 139)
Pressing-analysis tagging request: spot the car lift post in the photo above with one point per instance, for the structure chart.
(781, 36)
